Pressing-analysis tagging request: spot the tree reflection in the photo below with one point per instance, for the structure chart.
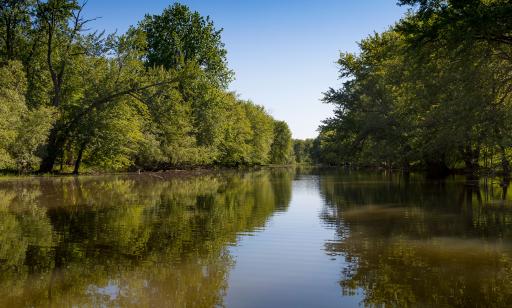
(411, 242)
(128, 240)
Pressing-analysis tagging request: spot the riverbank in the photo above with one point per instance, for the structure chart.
(162, 174)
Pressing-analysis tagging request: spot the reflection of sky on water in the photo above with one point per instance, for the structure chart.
(111, 290)
(286, 265)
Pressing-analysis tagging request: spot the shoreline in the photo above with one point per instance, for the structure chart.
(163, 174)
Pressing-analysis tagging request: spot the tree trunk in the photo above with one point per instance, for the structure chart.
(79, 159)
(504, 187)
(505, 164)
(471, 158)
(437, 168)
(406, 166)
(53, 149)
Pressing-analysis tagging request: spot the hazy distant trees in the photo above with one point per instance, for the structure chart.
(304, 151)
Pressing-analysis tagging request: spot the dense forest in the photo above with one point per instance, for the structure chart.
(152, 98)
(433, 92)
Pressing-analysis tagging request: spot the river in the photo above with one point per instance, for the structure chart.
(270, 238)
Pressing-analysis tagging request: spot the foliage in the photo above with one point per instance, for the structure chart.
(304, 151)
(22, 131)
(420, 95)
(262, 126)
(179, 36)
(152, 98)
(281, 151)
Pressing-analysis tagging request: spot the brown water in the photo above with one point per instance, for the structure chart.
(275, 238)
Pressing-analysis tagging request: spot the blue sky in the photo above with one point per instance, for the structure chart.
(283, 52)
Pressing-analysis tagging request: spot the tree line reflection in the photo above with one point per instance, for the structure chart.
(412, 242)
(129, 240)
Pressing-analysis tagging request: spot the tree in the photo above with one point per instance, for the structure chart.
(235, 147)
(152, 98)
(461, 21)
(22, 131)
(435, 105)
(172, 126)
(282, 148)
(303, 151)
(104, 71)
(61, 23)
(179, 36)
(14, 23)
(262, 133)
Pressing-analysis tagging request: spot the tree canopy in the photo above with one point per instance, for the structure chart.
(178, 36)
(432, 92)
(154, 97)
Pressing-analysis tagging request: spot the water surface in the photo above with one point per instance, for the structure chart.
(280, 237)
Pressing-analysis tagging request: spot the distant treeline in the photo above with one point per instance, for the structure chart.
(433, 92)
(154, 97)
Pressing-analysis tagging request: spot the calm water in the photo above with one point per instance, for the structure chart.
(274, 238)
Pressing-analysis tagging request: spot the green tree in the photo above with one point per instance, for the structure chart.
(303, 151)
(262, 133)
(235, 147)
(99, 75)
(282, 147)
(14, 23)
(152, 98)
(460, 21)
(434, 105)
(23, 131)
(179, 36)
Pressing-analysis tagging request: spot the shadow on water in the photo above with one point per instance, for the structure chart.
(408, 241)
(128, 240)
